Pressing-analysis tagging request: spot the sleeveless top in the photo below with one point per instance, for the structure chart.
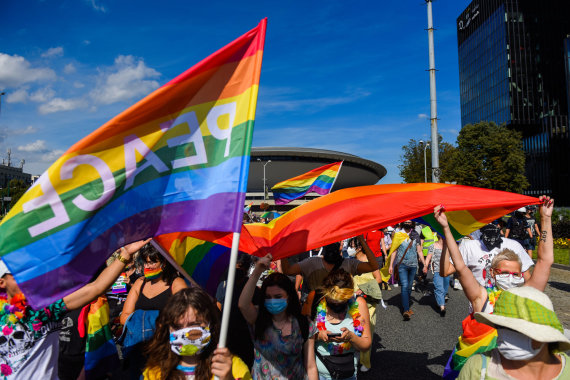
(155, 303)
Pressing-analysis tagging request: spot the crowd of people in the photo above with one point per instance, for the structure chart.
(308, 317)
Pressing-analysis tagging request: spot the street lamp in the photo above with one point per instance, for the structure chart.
(425, 162)
(265, 192)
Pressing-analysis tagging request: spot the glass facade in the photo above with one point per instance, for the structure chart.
(484, 73)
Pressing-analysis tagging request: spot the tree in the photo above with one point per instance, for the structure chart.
(16, 188)
(412, 167)
(489, 156)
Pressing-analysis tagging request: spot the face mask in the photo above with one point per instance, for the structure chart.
(275, 305)
(508, 281)
(151, 274)
(491, 237)
(189, 341)
(515, 346)
(351, 251)
(336, 307)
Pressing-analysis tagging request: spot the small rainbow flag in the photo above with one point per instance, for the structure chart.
(177, 160)
(319, 180)
(476, 338)
(101, 355)
(205, 262)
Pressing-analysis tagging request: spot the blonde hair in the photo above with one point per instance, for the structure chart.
(506, 255)
(339, 294)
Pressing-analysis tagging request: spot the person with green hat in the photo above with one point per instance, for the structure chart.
(530, 340)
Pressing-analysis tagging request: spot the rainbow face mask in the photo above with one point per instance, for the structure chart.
(151, 274)
(189, 341)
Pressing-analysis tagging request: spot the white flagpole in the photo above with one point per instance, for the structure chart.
(229, 291)
(173, 262)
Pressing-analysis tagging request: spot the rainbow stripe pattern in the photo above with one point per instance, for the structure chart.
(476, 338)
(205, 262)
(354, 211)
(319, 180)
(177, 160)
(100, 352)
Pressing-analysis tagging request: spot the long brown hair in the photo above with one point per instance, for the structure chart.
(158, 352)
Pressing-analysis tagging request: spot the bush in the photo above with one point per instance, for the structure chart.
(562, 243)
(561, 229)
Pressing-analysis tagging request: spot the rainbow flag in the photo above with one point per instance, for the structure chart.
(101, 355)
(354, 211)
(205, 262)
(177, 160)
(476, 338)
(319, 180)
(399, 238)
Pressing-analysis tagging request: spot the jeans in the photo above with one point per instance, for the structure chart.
(407, 275)
(440, 284)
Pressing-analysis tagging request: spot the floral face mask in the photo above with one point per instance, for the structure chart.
(189, 341)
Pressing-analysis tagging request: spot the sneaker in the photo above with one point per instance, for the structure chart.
(447, 297)
(363, 368)
(410, 312)
(396, 285)
(442, 312)
(406, 315)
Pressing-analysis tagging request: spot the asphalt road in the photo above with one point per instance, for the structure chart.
(419, 348)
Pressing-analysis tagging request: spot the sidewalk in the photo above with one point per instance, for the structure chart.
(558, 290)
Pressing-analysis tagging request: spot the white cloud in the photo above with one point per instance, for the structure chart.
(18, 96)
(128, 78)
(16, 70)
(26, 131)
(423, 116)
(42, 95)
(38, 146)
(53, 155)
(53, 52)
(59, 104)
(78, 84)
(69, 68)
(98, 7)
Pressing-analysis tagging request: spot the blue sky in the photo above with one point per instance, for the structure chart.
(346, 76)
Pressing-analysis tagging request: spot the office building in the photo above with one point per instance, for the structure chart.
(513, 69)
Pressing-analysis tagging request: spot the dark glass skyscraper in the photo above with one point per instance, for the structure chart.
(513, 69)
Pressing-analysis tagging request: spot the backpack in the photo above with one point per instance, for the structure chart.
(518, 230)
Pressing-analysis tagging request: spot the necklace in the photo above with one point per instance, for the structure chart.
(339, 348)
(11, 312)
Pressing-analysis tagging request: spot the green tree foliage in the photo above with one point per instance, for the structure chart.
(412, 167)
(16, 188)
(489, 156)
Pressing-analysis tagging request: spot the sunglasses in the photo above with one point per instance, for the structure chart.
(506, 273)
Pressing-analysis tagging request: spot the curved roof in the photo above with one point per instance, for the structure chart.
(290, 162)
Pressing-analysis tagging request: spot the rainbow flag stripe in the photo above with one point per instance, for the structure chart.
(205, 262)
(100, 352)
(319, 180)
(476, 338)
(177, 160)
(353, 211)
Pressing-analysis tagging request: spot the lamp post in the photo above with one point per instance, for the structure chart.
(265, 195)
(425, 161)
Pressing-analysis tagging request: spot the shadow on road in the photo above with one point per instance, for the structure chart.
(403, 365)
(560, 286)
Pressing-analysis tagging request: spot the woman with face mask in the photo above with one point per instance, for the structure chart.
(344, 327)
(283, 338)
(505, 274)
(184, 344)
(530, 341)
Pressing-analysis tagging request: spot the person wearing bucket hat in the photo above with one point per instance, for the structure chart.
(530, 341)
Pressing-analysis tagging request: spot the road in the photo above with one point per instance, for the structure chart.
(420, 348)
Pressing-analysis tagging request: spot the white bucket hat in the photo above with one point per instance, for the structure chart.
(530, 312)
(4, 269)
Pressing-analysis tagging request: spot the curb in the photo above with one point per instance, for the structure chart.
(558, 266)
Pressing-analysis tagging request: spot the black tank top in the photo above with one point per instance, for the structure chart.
(155, 303)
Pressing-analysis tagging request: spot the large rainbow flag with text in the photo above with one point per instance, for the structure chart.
(319, 180)
(177, 160)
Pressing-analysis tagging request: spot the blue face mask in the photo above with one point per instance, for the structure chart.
(275, 305)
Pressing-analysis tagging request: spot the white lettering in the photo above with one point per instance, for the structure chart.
(195, 137)
(104, 172)
(51, 198)
(132, 145)
(214, 127)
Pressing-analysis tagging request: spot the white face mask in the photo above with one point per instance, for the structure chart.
(515, 346)
(351, 251)
(189, 341)
(508, 281)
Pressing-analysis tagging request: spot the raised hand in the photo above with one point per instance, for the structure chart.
(547, 206)
(439, 214)
(264, 262)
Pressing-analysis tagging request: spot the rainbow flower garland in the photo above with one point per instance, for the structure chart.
(11, 312)
(493, 294)
(339, 348)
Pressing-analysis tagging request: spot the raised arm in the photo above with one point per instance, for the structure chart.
(245, 303)
(89, 292)
(372, 263)
(545, 256)
(288, 269)
(474, 292)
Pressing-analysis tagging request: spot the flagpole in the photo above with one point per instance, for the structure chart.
(226, 309)
(173, 262)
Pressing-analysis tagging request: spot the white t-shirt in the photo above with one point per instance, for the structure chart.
(478, 258)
